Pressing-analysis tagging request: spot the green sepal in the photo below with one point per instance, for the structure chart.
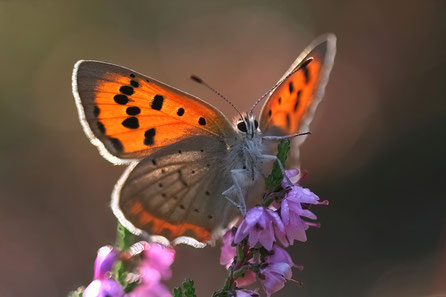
(189, 290)
(177, 292)
(274, 180)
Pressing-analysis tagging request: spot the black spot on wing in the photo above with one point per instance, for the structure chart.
(101, 128)
(180, 111)
(306, 70)
(121, 99)
(116, 143)
(134, 83)
(307, 75)
(296, 105)
(132, 75)
(133, 110)
(291, 87)
(127, 90)
(202, 121)
(150, 139)
(131, 123)
(157, 102)
(96, 111)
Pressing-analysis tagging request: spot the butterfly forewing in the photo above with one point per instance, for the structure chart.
(128, 115)
(177, 191)
(291, 106)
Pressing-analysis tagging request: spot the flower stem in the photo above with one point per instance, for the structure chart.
(124, 238)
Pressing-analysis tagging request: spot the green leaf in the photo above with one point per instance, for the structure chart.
(177, 292)
(274, 180)
(131, 286)
(189, 290)
(124, 238)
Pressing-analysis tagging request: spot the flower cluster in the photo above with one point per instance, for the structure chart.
(149, 265)
(251, 252)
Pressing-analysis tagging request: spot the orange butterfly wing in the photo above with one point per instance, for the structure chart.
(128, 115)
(291, 105)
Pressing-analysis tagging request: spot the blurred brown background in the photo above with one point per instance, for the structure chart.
(376, 152)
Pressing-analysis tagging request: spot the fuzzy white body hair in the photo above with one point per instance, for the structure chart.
(245, 155)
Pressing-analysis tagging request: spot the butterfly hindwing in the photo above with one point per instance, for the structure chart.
(128, 115)
(291, 105)
(176, 192)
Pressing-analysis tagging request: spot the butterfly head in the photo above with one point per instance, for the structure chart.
(248, 126)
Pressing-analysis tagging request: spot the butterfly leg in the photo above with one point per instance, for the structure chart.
(228, 193)
(235, 174)
(282, 168)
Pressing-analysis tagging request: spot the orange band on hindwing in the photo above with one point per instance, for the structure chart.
(166, 229)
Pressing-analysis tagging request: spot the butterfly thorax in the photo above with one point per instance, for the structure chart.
(247, 149)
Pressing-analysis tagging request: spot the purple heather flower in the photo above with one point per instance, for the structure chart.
(293, 175)
(154, 267)
(259, 225)
(246, 293)
(277, 270)
(274, 276)
(103, 288)
(279, 255)
(150, 290)
(291, 212)
(104, 262)
(227, 250)
(249, 278)
(156, 261)
(228, 253)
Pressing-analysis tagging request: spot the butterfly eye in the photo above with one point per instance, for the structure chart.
(242, 126)
(256, 124)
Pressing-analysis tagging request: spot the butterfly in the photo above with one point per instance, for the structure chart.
(191, 171)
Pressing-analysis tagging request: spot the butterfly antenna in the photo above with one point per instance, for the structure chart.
(303, 64)
(200, 81)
